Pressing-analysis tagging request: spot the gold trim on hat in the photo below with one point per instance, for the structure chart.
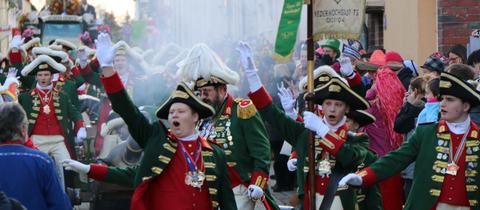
(180, 94)
(334, 88)
(344, 86)
(201, 82)
(189, 93)
(445, 84)
(43, 66)
(461, 83)
(324, 78)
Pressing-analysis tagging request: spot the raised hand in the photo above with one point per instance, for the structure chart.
(246, 56)
(105, 50)
(346, 68)
(287, 100)
(254, 82)
(16, 42)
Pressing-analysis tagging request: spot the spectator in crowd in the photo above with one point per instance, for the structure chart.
(86, 8)
(474, 61)
(385, 98)
(412, 105)
(433, 67)
(457, 55)
(432, 108)
(395, 62)
(33, 181)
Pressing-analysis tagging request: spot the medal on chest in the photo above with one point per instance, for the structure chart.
(46, 109)
(46, 101)
(194, 176)
(324, 168)
(219, 132)
(452, 167)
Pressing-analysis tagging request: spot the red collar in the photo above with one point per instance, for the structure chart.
(227, 109)
(342, 131)
(37, 91)
(443, 128)
(205, 143)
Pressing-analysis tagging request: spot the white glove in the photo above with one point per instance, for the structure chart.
(11, 78)
(16, 42)
(254, 192)
(81, 135)
(351, 179)
(246, 55)
(346, 68)
(105, 50)
(287, 100)
(82, 56)
(292, 164)
(315, 123)
(55, 77)
(73, 165)
(12, 72)
(254, 82)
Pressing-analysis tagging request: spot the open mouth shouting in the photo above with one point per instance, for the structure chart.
(175, 123)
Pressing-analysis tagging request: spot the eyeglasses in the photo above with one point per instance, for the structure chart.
(451, 59)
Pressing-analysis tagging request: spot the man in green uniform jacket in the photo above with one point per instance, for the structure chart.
(445, 154)
(50, 111)
(167, 171)
(236, 127)
(337, 151)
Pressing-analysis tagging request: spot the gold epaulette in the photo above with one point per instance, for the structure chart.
(246, 109)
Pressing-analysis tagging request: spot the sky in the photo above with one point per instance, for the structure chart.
(119, 7)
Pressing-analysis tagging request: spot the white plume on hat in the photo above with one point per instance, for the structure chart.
(134, 53)
(120, 44)
(42, 59)
(30, 43)
(66, 43)
(202, 62)
(325, 69)
(47, 51)
(55, 47)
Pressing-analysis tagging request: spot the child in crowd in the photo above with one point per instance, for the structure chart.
(432, 107)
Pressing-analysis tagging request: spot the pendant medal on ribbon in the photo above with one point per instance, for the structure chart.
(194, 177)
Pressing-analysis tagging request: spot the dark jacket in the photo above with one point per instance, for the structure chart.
(405, 75)
(90, 9)
(405, 120)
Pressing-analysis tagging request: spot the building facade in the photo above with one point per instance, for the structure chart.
(10, 10)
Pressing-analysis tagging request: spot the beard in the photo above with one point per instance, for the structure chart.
(217, 103)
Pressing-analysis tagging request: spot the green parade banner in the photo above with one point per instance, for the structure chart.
(287, 30)
(338, 19)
